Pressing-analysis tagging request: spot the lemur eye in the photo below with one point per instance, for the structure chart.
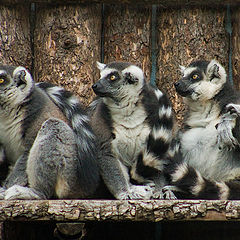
(2, 80)
(113, 77)
(195, 76)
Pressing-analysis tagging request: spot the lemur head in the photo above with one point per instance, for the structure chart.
(201, 80)
(119, 80)
(16, 85)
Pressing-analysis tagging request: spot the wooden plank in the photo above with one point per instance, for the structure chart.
(127, 35)
(15, 44)
(118, 211)
(185, 35)
(67, 46)
(236, 46)
(148, 2)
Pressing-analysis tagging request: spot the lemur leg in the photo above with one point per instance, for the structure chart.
(17, 177)
(51, 166)
(116, 178)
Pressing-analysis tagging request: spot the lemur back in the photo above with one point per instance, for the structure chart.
(134, 123)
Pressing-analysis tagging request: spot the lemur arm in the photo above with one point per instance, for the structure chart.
(18, 174)
(228, 127)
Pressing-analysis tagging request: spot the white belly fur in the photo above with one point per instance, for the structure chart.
(200, 150)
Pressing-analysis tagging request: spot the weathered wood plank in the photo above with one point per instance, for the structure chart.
(127, 35)
(118, 211)
(67, 46)
(186, 35)
(161, 2)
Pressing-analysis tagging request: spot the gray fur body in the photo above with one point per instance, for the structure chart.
(46, 140)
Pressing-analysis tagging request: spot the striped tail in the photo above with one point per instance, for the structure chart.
(160, 145)
(85, 138)
(188, 183)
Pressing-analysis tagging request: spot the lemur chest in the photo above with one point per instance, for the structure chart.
(11, 136)
(130, 136)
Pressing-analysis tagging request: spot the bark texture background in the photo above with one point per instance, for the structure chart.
(186, 35)
(15, 44)
(236, 46)
(127, 35)
(61, 43)
(67, 46)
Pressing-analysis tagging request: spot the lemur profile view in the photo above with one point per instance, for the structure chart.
(134, 123)
(208, 164)
(45, 138)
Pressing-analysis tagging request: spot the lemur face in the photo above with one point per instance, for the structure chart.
(118, 80)
(201, 80)
(15, 84)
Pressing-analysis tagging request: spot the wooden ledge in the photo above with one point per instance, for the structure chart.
(115, 210)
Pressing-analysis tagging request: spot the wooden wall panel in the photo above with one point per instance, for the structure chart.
(67, 46)
(236, 46)
(184, 35)
(127, 35)
(15, 45)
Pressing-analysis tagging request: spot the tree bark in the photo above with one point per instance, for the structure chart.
(236, 47)
(127, 31)
(185, 35)
(67, 46)
(117, 211)
(15, 44)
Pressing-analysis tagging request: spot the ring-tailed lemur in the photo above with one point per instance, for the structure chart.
(209, 167)
(134, 123)
(46, 139)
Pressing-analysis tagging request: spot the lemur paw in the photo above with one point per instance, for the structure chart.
(168, 192)
(158, 195)
(233, 108)
(225, 138)
(19, 192)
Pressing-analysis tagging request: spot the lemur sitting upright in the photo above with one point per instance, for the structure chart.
(134, 123)
(209, 160)
(45, 138)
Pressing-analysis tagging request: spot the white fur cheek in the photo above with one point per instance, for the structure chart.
(206, 90)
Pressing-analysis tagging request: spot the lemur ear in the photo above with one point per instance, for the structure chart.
(215, 71)
(182, 69)
(100, 66)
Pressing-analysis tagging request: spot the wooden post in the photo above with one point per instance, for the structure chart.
(187, 34)
(127, 30)
(15, 45)
(67, 46)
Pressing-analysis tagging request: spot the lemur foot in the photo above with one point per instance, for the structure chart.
(136, 192)
(19, 192)
(168, 192)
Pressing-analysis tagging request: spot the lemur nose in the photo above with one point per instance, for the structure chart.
(94, 86)
(176, 84)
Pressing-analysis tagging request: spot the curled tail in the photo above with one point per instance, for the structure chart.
(187, 182)
(160, 144)
(85, 138)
